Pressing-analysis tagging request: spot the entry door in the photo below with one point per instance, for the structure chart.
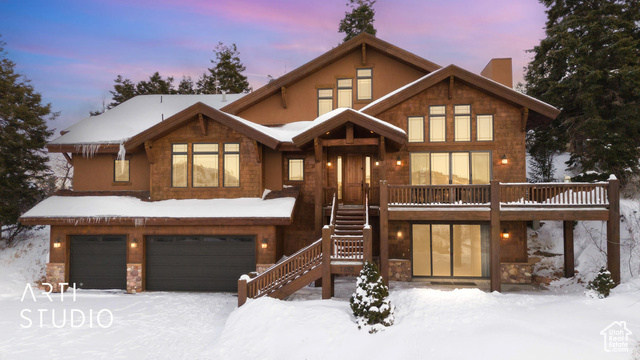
(353, 179)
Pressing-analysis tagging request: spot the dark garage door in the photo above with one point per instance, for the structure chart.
(198, 263)
(99, 262)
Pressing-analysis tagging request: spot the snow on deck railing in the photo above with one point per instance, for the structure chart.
(417, 195)
(554, 194)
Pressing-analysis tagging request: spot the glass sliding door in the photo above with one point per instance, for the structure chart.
(439, 168)
(460, 168)
(441, 250)
(421, 250)
(467, 251)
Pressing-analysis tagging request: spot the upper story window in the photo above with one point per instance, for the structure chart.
(205, 165)
(415, 127)
(121, 170)
(459, 167)
(437, 123)
(345, 93)
(296, 169)
(365, 84)
(462, 122)
(484, 127)
(325, 101)
(231, 165)
(179, 154)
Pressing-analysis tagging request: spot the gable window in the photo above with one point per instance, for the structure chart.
(437, 123)
(415, 126)
(365, 84)
(345, 93)
(462, 122)
(325, 101)
(484, 127)
(205, 165)
(231, 165)
(179, 165)
(121, 170)
(296, 169)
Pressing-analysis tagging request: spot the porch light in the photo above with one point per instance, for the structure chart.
(399, 161)
(328, 163)
(504, 159)
(399, 234)
(377, 163)
(57, 244)
(264, 244)
(328, 132)
(134, 243)
(505, 234)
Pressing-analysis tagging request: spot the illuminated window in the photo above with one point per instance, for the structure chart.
(325, 101)
(296, 169)
(415, 127)
(231, 165)
(179, 165)
(462, 122)
(121, 170)
(484, 127)
(437, 123)
(205, 165)
(345, 93)
(365, 84)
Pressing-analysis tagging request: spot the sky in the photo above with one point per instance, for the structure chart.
(73, 50)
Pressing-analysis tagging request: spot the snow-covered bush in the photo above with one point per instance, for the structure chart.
(601, 286)
(369, 303)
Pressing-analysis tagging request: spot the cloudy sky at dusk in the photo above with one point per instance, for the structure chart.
(72, 50)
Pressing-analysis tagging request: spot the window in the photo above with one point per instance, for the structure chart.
(437, 123)
(231, 165)
(296, 169)
(121, 170)
(339, 176)
(365, 85)
(325, 101)
(481, 167)
(415, 126)
(462, 122)
(205, 165)
(420, 172)
(441, 168)
(345, 93)
(179, 165)
(484, 127)
(367, 170)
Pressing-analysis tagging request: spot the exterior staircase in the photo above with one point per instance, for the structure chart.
(348, 237)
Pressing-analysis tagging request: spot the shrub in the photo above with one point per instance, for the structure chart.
(369, 304)
(601, 286)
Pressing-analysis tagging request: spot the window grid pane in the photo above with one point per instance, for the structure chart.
(296, 169)
(364, 82)
(205, 170)
(437, 129)
(121, 168)
(325, 101)
(437, 110)
(179, 170)
(420, 173)
(231, 165)
(416, 128)
(462, 128)
(345, 97)
(484, 124)
(481, 167)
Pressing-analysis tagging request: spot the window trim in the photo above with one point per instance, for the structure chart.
(193, 154)
(490, 152)
(289, 169)
(470, 122)
(224, 168)
(493, 127)
(408, 127)
(323, 98)
(128, 160)
(438, 116)
(338, 88)
(358, 86)
(171, 159)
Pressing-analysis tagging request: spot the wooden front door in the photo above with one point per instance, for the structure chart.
(353, 179)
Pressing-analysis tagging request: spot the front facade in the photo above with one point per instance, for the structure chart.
(423, 167)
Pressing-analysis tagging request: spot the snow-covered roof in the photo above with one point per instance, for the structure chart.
(101, 207)
(400, 89)
(135, 115)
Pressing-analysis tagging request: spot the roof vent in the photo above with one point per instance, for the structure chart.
(224, 96)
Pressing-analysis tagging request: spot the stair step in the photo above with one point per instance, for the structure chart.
(349, 217)
(349, 227)
(349, 232)
(349, 222)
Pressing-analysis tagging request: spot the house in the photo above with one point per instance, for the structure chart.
(367, 152)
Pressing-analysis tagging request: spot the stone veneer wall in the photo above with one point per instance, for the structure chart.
(399, 270)
(134, 278)
(516, 273)
(55, 275)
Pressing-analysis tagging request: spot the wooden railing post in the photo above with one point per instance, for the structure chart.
(367, 246)
(242, 292)
(613, 231)
(494, 248)
(384, 231)
(326, 263)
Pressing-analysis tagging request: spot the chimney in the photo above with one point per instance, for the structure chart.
(499, 70)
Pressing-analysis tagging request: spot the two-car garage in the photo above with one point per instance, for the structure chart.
(173, 263)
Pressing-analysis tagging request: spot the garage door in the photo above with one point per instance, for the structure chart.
(98, 262)
(198, 263)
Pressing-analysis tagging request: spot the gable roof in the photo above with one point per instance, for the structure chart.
(542, 112)
(326, 59)
(340, 116)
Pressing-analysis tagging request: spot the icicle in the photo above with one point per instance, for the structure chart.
(122, 152)
(87, 150)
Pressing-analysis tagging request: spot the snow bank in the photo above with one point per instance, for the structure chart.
(24, 261)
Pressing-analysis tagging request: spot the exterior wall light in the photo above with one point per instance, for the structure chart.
(504, 160)
(134, 243)
(505, 234)
(329, 163)
(399, 234)
(377, 163)
(399, 161)
(265, 243)
(57, 244)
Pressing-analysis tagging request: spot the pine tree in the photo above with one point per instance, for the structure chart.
(369, 303)
(23, 135)
(123, 90)
(601, 285)
(186, 86)
(155, 85)
(226, 74)
(359, 20)
(588, 67)
(542, 151)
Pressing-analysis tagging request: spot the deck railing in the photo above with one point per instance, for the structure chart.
(416, 195)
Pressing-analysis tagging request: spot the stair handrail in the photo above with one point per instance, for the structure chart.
(366, 206)
(332, 221)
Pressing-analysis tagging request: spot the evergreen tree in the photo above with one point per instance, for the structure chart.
(359, 20)
(123, 90)
(226, 74)
(542, 151)
(600, 287)
(588, 67)
(155, 85)
(369, 304)
(23, 135)
(186, 86)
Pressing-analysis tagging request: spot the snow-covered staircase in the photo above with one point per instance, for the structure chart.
(348, 237)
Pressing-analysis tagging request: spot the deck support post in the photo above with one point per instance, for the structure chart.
(319, 184)
(242, 292)
(367, 246)
(496, 274)
(327, 279)
(384, 231)
(569, 264)
(613, 231)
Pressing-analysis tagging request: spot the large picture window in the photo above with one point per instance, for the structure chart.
(231, 165)
(345, 93)
(179, 154)
(415, 127)
(437, 123)
(121, 170)
(325, 101)
(442, 168)
(462, 122)
(364, 79)
(205, 165)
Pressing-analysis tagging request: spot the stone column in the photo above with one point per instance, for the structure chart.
(55, 276)
(134, 278)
